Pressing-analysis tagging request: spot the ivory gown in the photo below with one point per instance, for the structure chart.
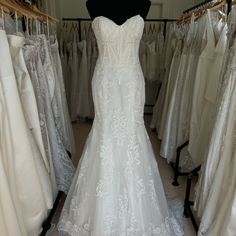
(117, 189)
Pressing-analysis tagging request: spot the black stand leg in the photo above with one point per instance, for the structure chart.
(176, 168)
(187, 203)
(177, 173)
(47, 222)
(187, 195)
(69, 154)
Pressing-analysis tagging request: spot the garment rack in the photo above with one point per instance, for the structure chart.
(79, 20)
(229, 6)
(175, 165)
(197, 6)
(187, 202)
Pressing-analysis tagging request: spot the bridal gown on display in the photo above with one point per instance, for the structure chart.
(117, 189)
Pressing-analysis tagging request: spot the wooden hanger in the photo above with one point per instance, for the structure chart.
(196, 11)
(22, 10)
(27, 9)
(220, 5)
(11, 8)
(199, 13)
(215, 7)
(50, 18)
(6, 10)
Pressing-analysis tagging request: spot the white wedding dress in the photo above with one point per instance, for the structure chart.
(117, 189)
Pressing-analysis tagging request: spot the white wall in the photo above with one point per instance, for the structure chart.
(160, 8)
(172, 9)
(198, 1)
(72, 8)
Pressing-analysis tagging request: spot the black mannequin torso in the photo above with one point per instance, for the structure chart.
(118, 11)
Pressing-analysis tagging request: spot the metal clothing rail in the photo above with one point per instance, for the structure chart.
(79, 20)
(229, 6)
(175, 165)
(187, 202)
(47, 223)
(197, 6)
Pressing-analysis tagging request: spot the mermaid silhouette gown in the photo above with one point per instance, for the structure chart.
(117, 189)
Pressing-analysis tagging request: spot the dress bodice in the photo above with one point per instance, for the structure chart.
(118, 44)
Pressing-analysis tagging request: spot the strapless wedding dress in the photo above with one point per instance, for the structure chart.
(117, 189)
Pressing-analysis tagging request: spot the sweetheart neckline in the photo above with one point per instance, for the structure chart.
(138, 15)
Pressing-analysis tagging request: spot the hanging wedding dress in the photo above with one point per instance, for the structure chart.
(175, 64)
(30, 52)
(184, 114)
(73, 79)
(205, 87)
(210, 158)
(11, 215)
(221, 160)
(25, 88)
(218, 180)
(160, 47)
(92, 57)
(216, 208)
(169, 138)
(82, 101)
(66, 127)
(58, 105)
(117, 189)
(80, 106)
(30, 109)
(10, 224)
(29, 188)
(169, 49)
(37, 62)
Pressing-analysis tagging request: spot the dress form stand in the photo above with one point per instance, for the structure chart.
(118, 11)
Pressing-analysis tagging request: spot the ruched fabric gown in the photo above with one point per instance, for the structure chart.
(117, 189)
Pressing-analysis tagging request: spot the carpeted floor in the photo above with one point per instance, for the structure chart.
(81, 131)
